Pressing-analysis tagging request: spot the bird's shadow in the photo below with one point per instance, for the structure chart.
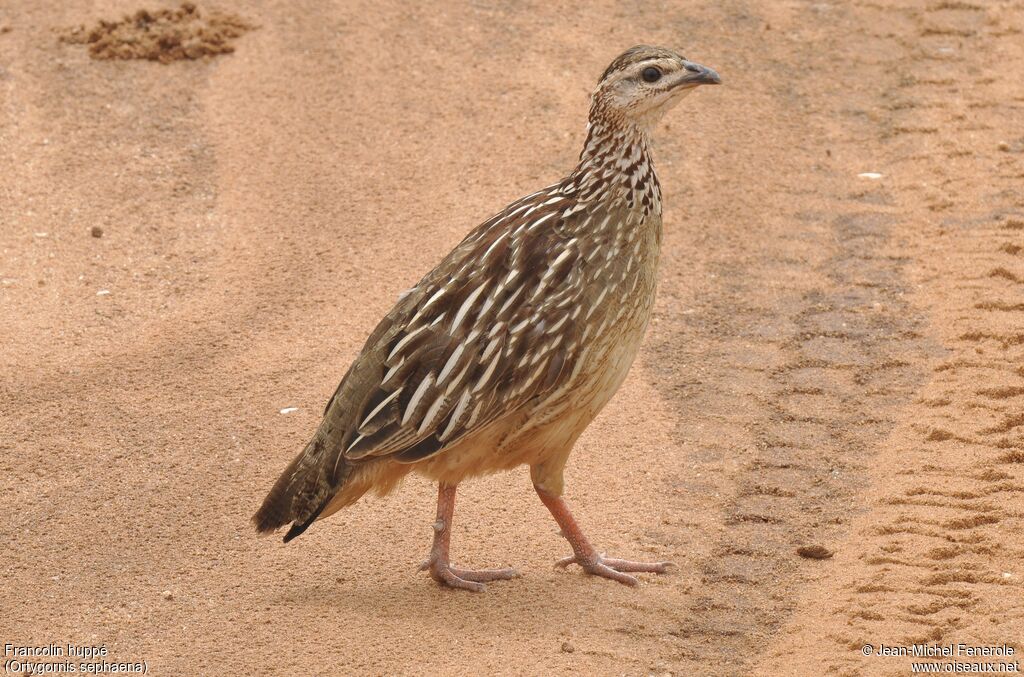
(537, 594)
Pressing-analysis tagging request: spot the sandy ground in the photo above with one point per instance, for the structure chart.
(835, 360)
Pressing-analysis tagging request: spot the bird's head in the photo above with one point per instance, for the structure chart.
(644, 82)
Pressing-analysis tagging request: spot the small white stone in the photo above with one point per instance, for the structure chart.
(1007, 574)
(41, 234)
(869, 175)
(167, 594)
(288, 410)
(102, 292)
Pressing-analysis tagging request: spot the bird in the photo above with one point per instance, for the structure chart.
(505, 352)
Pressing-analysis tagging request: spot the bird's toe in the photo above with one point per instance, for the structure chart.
(615, 569)
(484, 575)
(642, 567)
(604, 571)
(448, 579)
(465, 579)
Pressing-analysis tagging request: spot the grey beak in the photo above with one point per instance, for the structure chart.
(699, 75)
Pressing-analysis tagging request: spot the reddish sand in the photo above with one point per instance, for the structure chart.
(835, 360)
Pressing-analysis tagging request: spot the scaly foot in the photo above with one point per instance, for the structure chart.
(607, 567)
(438, 564)
(585, 554)
(465, 579)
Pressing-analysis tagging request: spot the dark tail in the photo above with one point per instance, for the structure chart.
(297, 528)
(302, 491)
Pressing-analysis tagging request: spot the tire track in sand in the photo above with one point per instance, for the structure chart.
(786, 345)
(936, 559)
(800, 349)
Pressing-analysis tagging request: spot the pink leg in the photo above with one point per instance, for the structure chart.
(584, 553)
(440, 568)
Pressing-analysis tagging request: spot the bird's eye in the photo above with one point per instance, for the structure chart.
(651, 74)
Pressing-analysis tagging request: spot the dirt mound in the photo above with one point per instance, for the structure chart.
(165, 35)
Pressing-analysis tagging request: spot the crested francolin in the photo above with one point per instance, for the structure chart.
(508, 349)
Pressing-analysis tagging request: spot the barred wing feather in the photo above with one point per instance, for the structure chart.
(462, 350)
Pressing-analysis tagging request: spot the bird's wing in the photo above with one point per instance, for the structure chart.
(493, 326)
